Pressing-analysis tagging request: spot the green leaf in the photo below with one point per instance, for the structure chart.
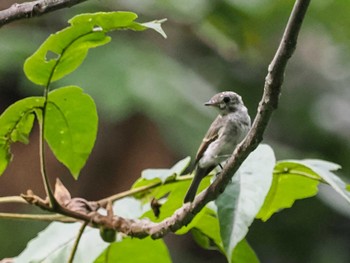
(206, 230)
(62, 53)
(135, 250)
(348, 187)
(324, 170)
(171, 196)
(299, 179)
(16, 123)
(55, 243)
(243, 198)
(108, 21)
(65, 50)
(164, 174)
(244, 253)
(71, 126)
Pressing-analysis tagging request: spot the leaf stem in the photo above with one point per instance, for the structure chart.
(299, 173)
(76, 243)
(45, 178)
(46, 181)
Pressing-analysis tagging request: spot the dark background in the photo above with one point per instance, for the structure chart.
(150, 93)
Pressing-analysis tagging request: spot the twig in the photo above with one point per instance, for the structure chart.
(76, 242)
(36, 217)
(12, 199)
(103, 202)
(33, 9)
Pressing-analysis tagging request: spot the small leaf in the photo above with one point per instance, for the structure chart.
(299, 179)
(135, 250)
(61, 194)
(243, 198)
(16, 123)
(157, 26)
(205, 229)
(244, 253)
(288, 186)
(69, 46)
(65, 50)
(165, 174)
(71, 126)
(324, 170)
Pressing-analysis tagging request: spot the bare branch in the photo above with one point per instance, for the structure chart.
(33, 9)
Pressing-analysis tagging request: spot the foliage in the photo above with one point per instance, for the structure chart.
(221, 226)
(261, 188)
(67, 107)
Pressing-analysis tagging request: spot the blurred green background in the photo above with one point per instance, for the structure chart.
(150, 93)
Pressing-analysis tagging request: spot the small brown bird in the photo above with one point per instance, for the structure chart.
(228, 129)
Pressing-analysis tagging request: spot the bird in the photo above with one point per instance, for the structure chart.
(228, 129)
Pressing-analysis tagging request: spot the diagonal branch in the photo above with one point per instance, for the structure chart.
(33, 9)
(267, 105)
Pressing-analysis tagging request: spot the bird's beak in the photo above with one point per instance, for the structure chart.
(210, 103)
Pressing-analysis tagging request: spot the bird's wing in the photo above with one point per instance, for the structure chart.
(211, 135)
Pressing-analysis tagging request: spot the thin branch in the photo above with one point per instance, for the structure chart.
(36, 217)
(76, 242)
(103, 202)
(12, 199)
(33, 9)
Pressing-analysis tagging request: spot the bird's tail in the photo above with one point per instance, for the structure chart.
(199, 175)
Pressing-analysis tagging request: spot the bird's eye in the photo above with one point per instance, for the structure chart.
(226, 99)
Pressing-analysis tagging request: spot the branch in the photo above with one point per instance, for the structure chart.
(38, 217)
(267, 105)
(33, 9)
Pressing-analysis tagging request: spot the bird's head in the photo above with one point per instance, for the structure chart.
(226, 102)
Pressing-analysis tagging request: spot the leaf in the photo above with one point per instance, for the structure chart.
(135, 250)
(65, 50)
(157, 26)
(71, 126)
(243, 198)
(299, 179)
(128, 207)
(324, 170)
(55, 243)
(165, 174)
(62, 53)
(171, 196)
(244, 253)
(205, 229)
(16, 123)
